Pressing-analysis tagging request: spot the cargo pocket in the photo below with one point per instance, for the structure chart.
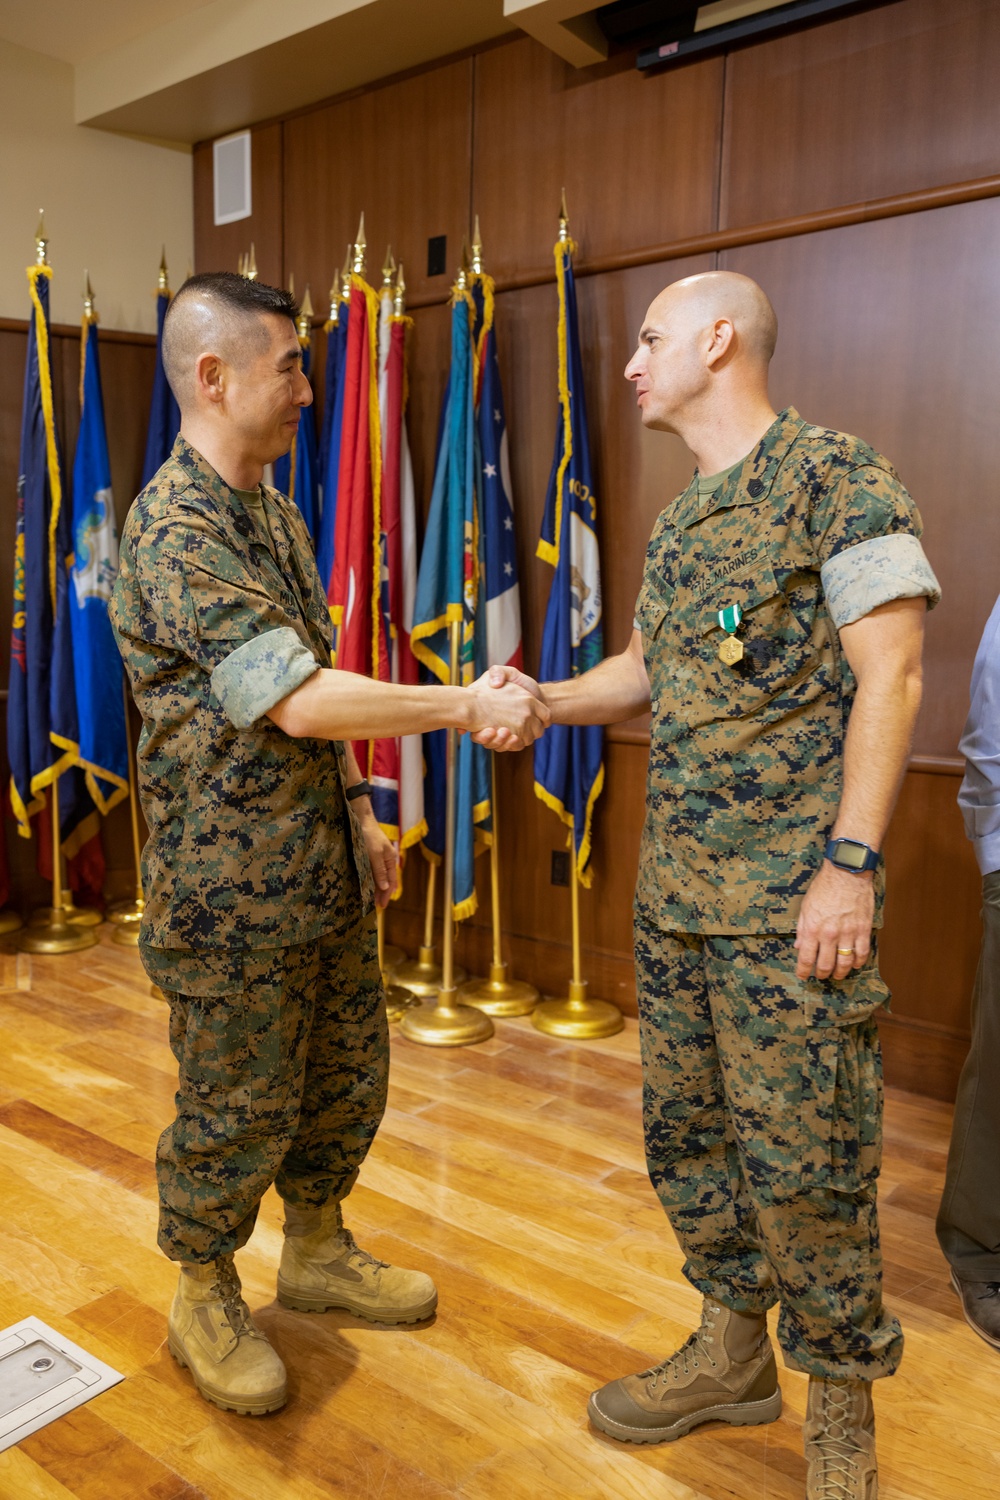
(841, 1113)
(215, 1065)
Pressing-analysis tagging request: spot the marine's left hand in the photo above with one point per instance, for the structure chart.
(381, 853)
(835, 923)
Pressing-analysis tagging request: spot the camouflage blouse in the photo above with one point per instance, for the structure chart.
(812, 531)
(251, 841)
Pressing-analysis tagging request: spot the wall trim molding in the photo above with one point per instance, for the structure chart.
(72, 330)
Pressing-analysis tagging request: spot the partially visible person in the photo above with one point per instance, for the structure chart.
(258, 871)
(968, 1224)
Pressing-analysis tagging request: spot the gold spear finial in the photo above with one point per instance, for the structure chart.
(345, 277)
(303, 322)
(563, 217)
(251, 270)
(41, 241)
(399, 295)
(360, 246)
(334, 317)
(162, 283)
(291, 283)
(477, 250)
(388, 267)
(89, 315)
(241, 264)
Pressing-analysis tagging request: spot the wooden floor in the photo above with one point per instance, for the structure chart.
(513, 1173)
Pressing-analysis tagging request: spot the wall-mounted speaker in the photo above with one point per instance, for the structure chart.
(231, 177)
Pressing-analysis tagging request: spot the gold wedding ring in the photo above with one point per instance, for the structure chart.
(846, 952)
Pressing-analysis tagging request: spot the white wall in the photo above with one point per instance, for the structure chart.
(110, 203)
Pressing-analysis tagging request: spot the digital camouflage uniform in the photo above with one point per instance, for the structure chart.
(762, 1093)
(259, 920)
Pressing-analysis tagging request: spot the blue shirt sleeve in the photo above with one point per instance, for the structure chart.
(979, 795)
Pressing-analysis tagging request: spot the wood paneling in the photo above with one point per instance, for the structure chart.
(881, 335)
(217, 247)
(638, 157)
(511, 1172)
(894, 99)
(400, 154)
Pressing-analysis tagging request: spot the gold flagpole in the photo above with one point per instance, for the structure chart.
(423, 974)
(577, 1017)
(499, 995)
(127, 915)
(446, 1023)
(55, 933)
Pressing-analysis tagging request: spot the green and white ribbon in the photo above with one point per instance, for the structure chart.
(730, 617)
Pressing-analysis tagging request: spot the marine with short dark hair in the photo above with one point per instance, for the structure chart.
(264, 857)
(777, 642)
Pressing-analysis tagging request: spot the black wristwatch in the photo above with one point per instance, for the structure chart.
(359, 789)
(852, 855)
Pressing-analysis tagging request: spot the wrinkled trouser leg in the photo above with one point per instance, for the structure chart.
(763, 1137)
(968, 1225)
(301, 1046)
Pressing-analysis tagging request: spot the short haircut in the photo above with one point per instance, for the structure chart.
(219, 311)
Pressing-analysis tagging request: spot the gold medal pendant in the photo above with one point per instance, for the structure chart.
(731, 651)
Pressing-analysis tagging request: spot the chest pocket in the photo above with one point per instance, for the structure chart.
(780, 651)
(652, 608)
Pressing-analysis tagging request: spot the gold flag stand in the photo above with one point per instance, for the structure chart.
(127, 915)
(499, 995)
(577, 1017)
(422, 974)
(397, 999)
(10, 921)
(444, 1022)
(51, 930)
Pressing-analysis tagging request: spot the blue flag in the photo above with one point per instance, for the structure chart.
(164, 413)
(329, 455)
(34, 760)
(296, 473)
(451, 589)
(102, 746)
(503, 597)
(569, 770)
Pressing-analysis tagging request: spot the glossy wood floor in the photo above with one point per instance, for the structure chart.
(513, 1173)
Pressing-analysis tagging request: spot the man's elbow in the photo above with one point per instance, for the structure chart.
(291, 715)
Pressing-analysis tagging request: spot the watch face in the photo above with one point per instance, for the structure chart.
(850, 854)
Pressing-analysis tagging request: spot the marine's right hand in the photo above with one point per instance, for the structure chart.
(510, 709)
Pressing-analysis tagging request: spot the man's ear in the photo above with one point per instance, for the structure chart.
(722, 342)
(210, 377)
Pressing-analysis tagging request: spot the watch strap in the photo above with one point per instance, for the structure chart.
(359, 789)
(870, 862)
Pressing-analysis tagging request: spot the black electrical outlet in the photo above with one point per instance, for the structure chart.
(560, 867)
(437, 255)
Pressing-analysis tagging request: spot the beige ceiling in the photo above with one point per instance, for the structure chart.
(190, 70)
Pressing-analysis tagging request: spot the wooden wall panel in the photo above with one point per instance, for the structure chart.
(401, 155)
(217, 247)
(888, 101)
(638, 157)
(881, 334)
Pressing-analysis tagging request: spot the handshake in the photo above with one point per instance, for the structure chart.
(508, 710)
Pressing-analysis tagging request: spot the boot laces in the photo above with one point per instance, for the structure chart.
(364, 1256)
(689, 1356)
(226, 1287)
(837, 1446)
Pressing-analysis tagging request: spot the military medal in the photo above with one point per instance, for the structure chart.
(731, 650)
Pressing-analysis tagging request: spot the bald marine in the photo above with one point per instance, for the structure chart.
(706, 342)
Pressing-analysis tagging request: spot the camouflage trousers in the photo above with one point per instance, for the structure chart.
(284, 1057)
(762, 1106)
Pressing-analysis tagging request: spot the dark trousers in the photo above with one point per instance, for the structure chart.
(968, 1224)
(284, 1057)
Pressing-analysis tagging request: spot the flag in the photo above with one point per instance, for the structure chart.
(164, 413)
(333, 416)
(296, 473)
(569, 769)
(503, 595)
(34, 762)
(354, 591)
(398, 774)
(450, 588)
(102, 747)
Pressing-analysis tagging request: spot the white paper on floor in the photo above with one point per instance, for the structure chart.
(43, 1375)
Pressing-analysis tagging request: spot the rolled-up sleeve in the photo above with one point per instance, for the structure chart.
(257, 675)
(979, 795)
(873, 572)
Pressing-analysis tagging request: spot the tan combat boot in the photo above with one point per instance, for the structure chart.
(839, 1435)
(322, 1268)
(724, 1373)
(211, 1333)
